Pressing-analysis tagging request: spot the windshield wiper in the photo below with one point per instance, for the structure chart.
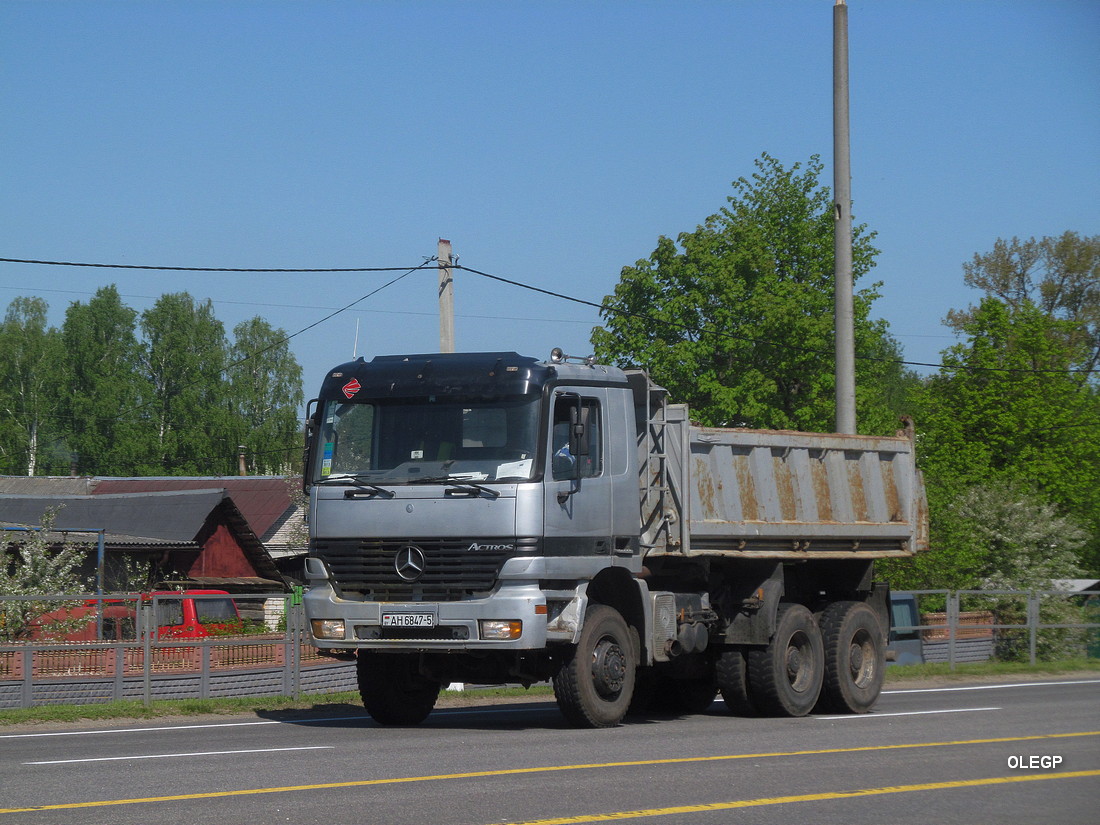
(357, 481)
(457, 481)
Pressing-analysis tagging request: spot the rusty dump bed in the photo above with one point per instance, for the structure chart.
(778, 494)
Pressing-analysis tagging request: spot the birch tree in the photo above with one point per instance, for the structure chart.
(30, 377)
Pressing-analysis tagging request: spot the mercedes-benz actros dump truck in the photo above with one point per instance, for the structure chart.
(492, 518)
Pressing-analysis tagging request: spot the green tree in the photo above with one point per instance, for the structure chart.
(1005, 535)
(29, 373)
(265, 385)
(1058, 275)
(736, 317)
(1017, 402)
(1009, 405)
(1025, 543)
(105, 388)
(184, 358)
(1022, 540)
(37, 564)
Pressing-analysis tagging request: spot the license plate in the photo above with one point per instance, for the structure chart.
(408, 620)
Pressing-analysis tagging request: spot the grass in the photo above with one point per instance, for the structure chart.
(267, 704)
(136, 709)
(978, 670)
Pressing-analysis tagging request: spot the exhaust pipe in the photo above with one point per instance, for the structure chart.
(692, 638)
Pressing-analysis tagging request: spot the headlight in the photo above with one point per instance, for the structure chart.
(327, 628)
(501, 630)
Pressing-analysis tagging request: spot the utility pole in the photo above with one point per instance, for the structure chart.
(446, 298)
(842, 232)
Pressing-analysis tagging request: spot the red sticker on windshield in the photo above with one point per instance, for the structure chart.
(351, 388)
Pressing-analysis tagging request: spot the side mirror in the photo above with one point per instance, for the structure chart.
(578, 430)
(313, 422)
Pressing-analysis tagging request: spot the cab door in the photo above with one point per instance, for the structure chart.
(577, 485)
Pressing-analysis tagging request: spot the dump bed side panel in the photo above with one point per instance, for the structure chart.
(779, 494)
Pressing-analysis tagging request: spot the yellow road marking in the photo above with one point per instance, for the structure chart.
(810, 797)
(359, 783)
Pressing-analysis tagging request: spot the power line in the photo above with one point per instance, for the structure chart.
(605, 308)
(204, 268)
(279, 342)
(228, 302)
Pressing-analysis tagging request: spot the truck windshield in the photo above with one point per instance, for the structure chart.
(406, 441)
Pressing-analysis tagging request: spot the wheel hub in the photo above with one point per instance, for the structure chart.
(855, 658)
(794, 663)
(608, 667)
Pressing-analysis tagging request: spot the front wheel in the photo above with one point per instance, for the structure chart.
(593, 689)
(392, 689)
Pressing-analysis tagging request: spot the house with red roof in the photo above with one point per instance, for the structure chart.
(241, 534)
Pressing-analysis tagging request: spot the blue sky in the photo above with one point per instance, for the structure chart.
(553, 143)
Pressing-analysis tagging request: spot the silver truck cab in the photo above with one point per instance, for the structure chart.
(461, 501)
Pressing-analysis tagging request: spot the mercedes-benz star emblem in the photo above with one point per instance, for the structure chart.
(409, 562)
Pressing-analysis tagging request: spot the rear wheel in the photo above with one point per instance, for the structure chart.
(855, 657)
(594, 687)
(733, 681)
(393, 691)
(785, 677)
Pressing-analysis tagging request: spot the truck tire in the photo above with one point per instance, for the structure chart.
(733, 681)
(393, 691)
(785, 677)
(855, 658)
(594, 688)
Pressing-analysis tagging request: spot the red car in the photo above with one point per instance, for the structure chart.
(187, 614)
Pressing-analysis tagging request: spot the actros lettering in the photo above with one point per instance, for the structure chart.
(489, 548)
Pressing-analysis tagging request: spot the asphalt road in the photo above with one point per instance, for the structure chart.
(1003, 753)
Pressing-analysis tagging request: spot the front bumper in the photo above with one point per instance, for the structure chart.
(455, 625)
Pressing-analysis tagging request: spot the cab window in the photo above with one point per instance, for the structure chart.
(570, 410)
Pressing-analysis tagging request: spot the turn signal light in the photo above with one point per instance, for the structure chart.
(501, 630)
(327, 628)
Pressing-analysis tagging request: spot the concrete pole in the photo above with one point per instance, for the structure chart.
(842, 233)
(446, 298)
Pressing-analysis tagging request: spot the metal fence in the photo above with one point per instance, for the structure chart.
(87, 649)
(129, 655)
(1004, 625)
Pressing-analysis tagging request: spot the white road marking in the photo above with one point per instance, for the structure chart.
(992, 687)
(316, 721)
(458, 712)
(173, 755)
(873, 715)
(179, 727)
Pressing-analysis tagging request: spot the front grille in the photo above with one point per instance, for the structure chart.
(452, 571)
(413, 634)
